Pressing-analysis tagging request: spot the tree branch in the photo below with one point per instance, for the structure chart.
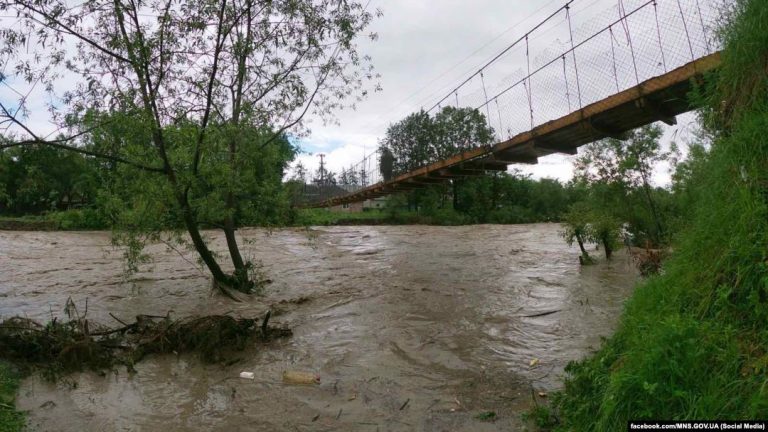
(68, 30)
(209, 92)
(60, 145)
(306, 108)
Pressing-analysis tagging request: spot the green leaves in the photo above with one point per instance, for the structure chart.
(421, 139)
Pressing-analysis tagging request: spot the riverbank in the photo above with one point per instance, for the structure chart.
(89, 220)
(67, 220)
(27, 223)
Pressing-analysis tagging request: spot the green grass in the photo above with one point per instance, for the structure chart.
(64, 220)
(541, 417)
(306, 217)
(10, 419)
(693, 342)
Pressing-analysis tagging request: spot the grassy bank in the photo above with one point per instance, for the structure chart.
(87, 220)
(10, 419)
(66, 220)
(308, 217)
(26, 223)
(693, 342)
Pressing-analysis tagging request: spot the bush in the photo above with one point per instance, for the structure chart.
(448, 217)
(512, 214)
(79, 219)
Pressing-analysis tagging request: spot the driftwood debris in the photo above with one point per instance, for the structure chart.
(79, 343)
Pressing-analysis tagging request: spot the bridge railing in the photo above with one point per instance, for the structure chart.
(566, 62)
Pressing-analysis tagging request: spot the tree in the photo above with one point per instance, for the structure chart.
(386, 163)
(299, 173)
(420, 139)
(190, 77)
(348, 176)
(459, 129)
(577, 229)
(324, 177)
(604, 230)
(410, 142)
(615, 169)
(642, 153)
(36, 179)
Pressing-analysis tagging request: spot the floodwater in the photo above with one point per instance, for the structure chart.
(409, 327)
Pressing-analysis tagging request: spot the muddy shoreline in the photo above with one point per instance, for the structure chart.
(447, 319)
(10, 224)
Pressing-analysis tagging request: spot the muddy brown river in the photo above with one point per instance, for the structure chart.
(410, 328)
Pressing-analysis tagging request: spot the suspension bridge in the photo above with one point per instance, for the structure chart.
(631, 65)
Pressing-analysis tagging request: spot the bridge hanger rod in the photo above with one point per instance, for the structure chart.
(504, 51)
(559, 56)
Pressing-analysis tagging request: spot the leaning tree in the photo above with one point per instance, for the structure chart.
(182, 94)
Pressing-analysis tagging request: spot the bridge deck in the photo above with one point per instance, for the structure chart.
(657, 99)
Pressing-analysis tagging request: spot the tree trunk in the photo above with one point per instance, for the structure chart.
(234, 251)
(455, 194)
(139, 63)
(495, 193)
(202, 249)
(607, 247)
(443, 195)
(580, 241)
(241, 267)
(654, 213)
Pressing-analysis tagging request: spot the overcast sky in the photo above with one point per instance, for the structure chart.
(425, 48)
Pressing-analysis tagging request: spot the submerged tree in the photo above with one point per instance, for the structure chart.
(618, 170)
(183, 94)
(577, 229)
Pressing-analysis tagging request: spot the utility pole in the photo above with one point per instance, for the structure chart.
(322, 176)
(322, 168)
